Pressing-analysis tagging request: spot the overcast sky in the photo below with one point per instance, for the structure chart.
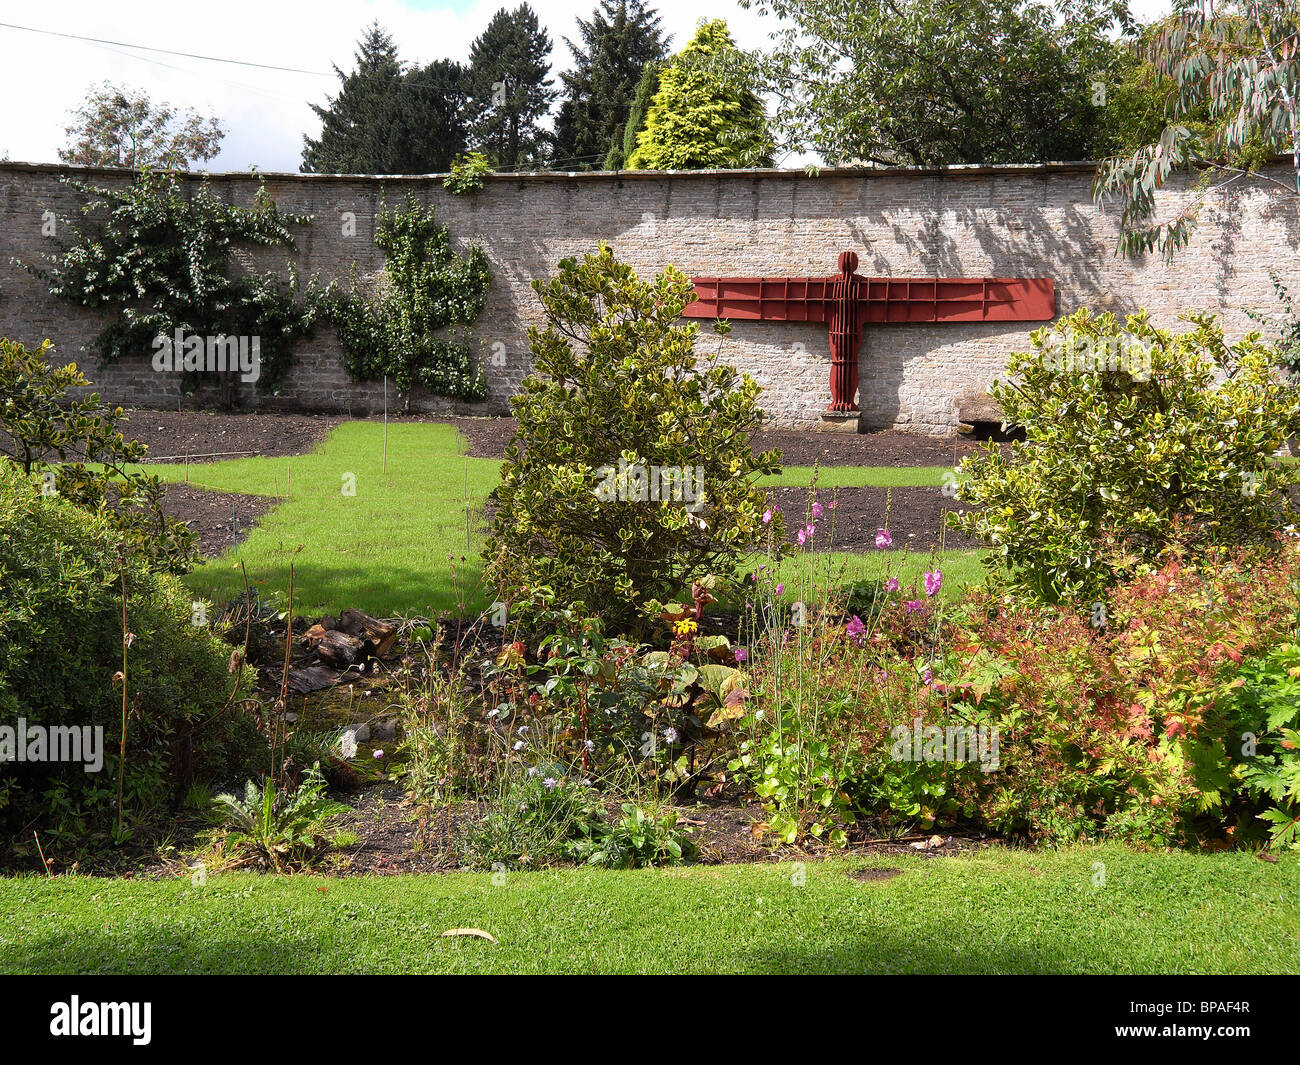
(43, 78)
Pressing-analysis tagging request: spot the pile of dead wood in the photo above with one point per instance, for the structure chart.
(333, 648)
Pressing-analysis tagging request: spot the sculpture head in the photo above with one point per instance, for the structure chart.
(848, 262)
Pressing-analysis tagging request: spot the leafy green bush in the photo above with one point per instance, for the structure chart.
(1133, 452)
(1268, 727)
(467, 173)
(43, 422)
(62, 633)
(637, 839)
(631, 474)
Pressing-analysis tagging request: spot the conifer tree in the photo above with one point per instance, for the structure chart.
(704, 113)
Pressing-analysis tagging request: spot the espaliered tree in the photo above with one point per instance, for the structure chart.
(1235, 71)
(613, 49)
(704, 113)
(617, 397)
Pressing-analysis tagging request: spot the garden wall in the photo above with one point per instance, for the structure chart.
(1001, 221)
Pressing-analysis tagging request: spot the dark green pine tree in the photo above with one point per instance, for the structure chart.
(511, 90)
(609, 60)
(425, 121)
(351, 122)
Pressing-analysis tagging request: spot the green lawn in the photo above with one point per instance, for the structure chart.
(860, 476)
(388, 548)
(999, 912)
(385, 549)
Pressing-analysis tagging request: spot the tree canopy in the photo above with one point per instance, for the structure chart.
(704, 113)
(117, 126)
(610, 58)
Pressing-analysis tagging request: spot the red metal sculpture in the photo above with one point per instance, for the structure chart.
(849, 301)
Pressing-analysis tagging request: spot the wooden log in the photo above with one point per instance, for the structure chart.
(381, 634)
(340, 650)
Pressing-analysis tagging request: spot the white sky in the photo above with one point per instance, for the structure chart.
(265, 113)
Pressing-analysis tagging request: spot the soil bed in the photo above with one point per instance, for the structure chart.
(916, 518)
(488, 437)
(221, 519)
(172, 435)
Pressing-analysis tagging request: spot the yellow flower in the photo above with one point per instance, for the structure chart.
(685, 628)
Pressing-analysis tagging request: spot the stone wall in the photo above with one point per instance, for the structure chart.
(1017, 221)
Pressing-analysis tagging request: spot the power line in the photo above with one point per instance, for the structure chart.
(168, 51)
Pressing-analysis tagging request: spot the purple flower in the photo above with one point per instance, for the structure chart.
(933, 582)
(891, 585)
(855, 630)
(816, 510)
(926, 677)
(883, 539)
(549, 783)
(670, 735)
(741, 654)
(780, 588)
(913, 605)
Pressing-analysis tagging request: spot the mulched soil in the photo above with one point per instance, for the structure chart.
(221, 519)
(395, 838)
(172, 435)
(487, 438)
(916, 517)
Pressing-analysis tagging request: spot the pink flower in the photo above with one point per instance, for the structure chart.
(801, 536)
(816, 510)
(913, 605)
(741, 654)
(891, 585)
(780, 588)
(933, 582)
(767, 516)
(883, 539)
(855, 630)
(926, 677)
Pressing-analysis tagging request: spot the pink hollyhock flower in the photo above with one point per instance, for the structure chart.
(933, 582)
(767, 516)
(741, 654)
(913, 605)
(780, 588)
(801, 536)
(883, 539)
(891, 585)
(816, 510)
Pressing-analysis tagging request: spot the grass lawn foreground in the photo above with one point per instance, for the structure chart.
(996, 911)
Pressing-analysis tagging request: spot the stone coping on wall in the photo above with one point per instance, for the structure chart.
(956, 170)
